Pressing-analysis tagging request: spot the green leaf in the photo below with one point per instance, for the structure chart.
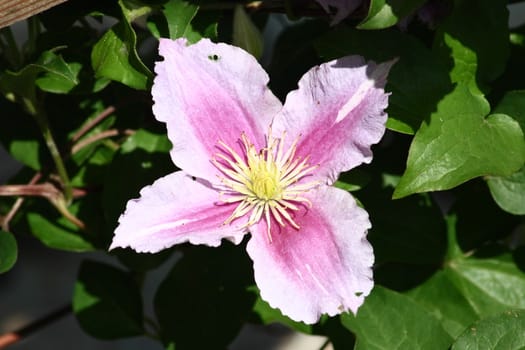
(133, 9)
(513, 104)
(469, 289)
(147, 141)
(115, 57)
(179, 14)
(26, 152)
(346, 186)
(57, 236)
(389, 321)
(59, 76)
(476, 36)
(460, 143)
(445, 301)
(501, 332)
(509, 191)
(489, 285)
(50, 73)
(245, 34)
(386, 13)
(107, 302)
(413, 99)
(183, 19)
(92, 162)
(144, 155)
(21, 136)
(8, 251)
(204, 301)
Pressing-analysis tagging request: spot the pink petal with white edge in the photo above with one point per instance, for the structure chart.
(208, 92)
(175, 209)
(338, 113)
(324, 267)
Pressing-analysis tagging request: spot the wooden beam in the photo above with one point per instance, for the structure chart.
(12, 11)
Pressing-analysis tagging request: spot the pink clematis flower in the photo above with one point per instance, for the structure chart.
(250, 164)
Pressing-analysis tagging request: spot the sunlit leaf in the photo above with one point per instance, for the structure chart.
(476, 36)
(50, 73)
(500, 332)
(445, 301)
(386, 13)
(115, 57)
(509, 191)
(459, 143)
(389, 321)
(59, 76)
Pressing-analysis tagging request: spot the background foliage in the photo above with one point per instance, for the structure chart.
(445, 192)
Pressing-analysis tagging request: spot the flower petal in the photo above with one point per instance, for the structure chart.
(208, 92)
(324, 267)
(338, 113)
(175, 209)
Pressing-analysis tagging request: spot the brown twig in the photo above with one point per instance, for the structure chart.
(11, 338)
(46, 190)
(92, 123)
(97, 137)
(18, 203)
(75, 148)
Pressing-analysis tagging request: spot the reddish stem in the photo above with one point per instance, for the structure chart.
(14, 337)
(18, 203)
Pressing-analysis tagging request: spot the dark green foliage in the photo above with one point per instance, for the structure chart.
(449, 249)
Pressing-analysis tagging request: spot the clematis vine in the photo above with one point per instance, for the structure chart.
(250, 164)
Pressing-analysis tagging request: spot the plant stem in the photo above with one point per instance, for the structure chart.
(18, 203)
(92, 123)
(100, 136)
(14, 337)
(43, 123)
(453, 250)
(46, 190)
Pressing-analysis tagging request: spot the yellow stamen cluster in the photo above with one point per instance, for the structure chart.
(264, 182)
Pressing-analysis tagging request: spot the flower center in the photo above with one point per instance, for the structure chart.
(265, 183)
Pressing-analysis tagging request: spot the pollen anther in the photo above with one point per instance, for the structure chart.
(266, 183)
